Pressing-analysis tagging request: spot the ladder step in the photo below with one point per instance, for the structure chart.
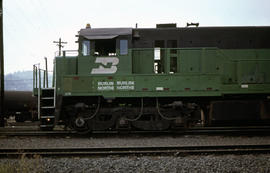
(47, 98)
(47, 107)
(47, 117)
(46, 125)
(48, 88)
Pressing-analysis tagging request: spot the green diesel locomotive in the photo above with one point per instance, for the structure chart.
(158, 79)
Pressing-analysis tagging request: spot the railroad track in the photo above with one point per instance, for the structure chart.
(124, 151)
(256, 130)
(37, 133)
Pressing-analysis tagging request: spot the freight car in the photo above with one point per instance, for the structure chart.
(159, 78)
(21, 105)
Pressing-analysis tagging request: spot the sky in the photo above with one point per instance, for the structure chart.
(31, 26)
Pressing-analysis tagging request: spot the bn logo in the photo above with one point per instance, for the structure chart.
(104, 61)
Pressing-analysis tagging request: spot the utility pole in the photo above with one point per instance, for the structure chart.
(59, 44)
(1, 67)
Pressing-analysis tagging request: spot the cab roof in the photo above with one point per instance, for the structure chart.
(104, 33)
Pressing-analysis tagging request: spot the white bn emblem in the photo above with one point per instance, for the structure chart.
(104, 61)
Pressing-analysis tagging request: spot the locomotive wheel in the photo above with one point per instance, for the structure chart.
(80, 125)
(78, 117)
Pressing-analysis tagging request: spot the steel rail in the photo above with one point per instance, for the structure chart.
(37, 133)
(124, 151)
(263, 130)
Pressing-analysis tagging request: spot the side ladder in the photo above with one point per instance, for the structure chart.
(46, 97)
(46, 108)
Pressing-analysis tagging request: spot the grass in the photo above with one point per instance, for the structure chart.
(22, 165)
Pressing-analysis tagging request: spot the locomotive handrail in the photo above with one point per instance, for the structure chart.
(65, 53)
(188, 48)
(40, 74)
(37, 77)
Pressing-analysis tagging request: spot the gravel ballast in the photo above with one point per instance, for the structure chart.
(202, 163)
(128, 141)
(182, 163)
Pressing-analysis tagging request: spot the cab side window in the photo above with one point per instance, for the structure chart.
(86, 48)
(123, 47)
(105, 47)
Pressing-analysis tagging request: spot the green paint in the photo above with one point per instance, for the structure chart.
(200, 72)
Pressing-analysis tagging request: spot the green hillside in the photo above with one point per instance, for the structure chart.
(21, 81)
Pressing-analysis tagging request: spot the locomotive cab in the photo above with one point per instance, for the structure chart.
(104, 51)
